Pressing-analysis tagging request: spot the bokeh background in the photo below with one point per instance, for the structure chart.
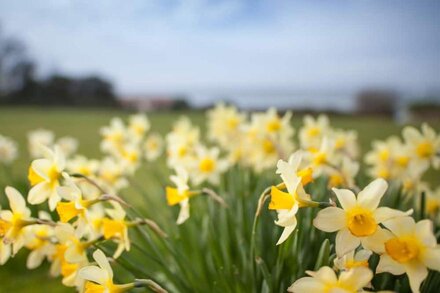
(71, 65)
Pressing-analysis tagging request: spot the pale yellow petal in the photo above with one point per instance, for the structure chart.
(384, 213)
(330, 219)
(357, 277)
(16, 201)
(346, 198)
(424, 232)
(286, 233)
(400, 226)
(39, 193)
(376, 241)
(371, 195)
(431, 258)
(306, 285)
(346, 242)
(387, 264)
(102, 261)
(416, 272)
(94, 274)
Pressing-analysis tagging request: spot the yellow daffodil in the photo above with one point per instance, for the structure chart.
(207, 166)
(325, 280)
(100, 278)
(357, 222)
(82, 165)
(45, 176)
(39, 242)
(14, 221)
(75, 247)
(410, 248)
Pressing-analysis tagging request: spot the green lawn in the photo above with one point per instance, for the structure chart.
(84, 125)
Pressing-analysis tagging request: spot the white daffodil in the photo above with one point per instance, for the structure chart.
(8, 150)
(287, 203)
(100, 278)
(345, 175)
(39, 242)
(68, 145)
(44, 177)
(425, 144)
(113, 136)
(112, 174)
(81, 165)
(138, 125)
(14, 221)
(353, 260)
(207, 166)
(116, 228)
(37, 140)
(75, 247)
(357, 222)
(410, 248)
(311, 134)
(153, 146)
(325, 280)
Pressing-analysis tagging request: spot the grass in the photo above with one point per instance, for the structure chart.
(84, 125)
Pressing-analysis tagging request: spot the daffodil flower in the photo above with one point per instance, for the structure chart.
(353, 259)
(287, 203)
(14, 221)
(116, 228)
(180, 194)
(410, 248)
(75, 247)
(45, 176)
(153, 146)
(425, 145)
(325, 280)
(100, 278)
(357, 222)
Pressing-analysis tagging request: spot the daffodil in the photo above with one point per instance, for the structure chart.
(345, 142)
(37, 140)
(325, 280)
(111, 175)
(425, 144)
(344, 176)
(44, 177)
(433, 203)
(39, 242)
(8, 150)
(410, 248)
(180, 194)
(68, 145)
(113, 136)
(81, 165)
(313, 131)
(287, 203)
(357, 222)
(116, 228)
(138, 125)
(100, 278)
(71, 239)
(207, 166)
(14, 221)
(353, 259)
(153, 146)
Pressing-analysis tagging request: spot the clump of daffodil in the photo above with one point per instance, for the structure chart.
(409, 248)
(44, 177)
(325, 280)
(358, 219)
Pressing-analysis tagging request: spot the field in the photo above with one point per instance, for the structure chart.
(84, 125)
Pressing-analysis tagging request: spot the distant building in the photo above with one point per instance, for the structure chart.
(143, 104)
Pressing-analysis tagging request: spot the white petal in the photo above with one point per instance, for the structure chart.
(39, 193)
(431, 258)
(384, 213)
(42, 167)
(325, 275)
(400, 226)
(184, 212)
(306, 285)
(357, 278)
(371, 195)
(416, 272)
(330, 219)
(34, 260)
(376, 242)
(287, 217)
(346, 242)
(387, 264)
(54, 199)
(424, 232)
(94, 274)
(346, 198)
(102, 261)
(288, 174)
(16, 201)
(5, 252)
(286, 233)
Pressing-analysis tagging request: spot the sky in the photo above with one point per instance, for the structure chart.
(170, 46)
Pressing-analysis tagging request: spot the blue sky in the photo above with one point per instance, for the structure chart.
(168, 46)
